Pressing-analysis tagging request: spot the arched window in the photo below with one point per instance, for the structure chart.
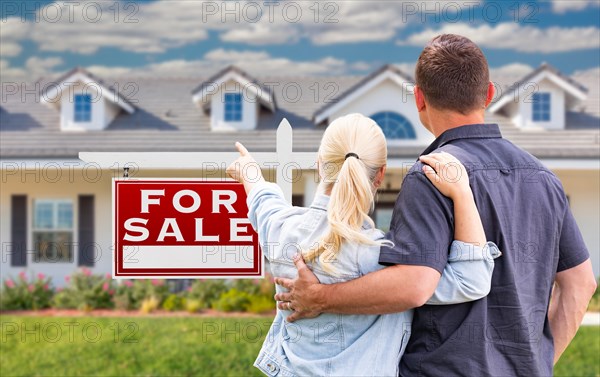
(394, 125)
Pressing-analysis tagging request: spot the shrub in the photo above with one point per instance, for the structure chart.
(88, 291)
(250, 286)
(24, 294)
(206, 291)
(193, 306)
(143, 289)
(149, 305)
(130, 294)
(173, 302)
(267, 286)
(232, 301)
(261, 304)
(64, 299)
(259, 287)
(123, 298)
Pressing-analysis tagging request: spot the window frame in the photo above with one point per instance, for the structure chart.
(401, 120)
(38, 256)
(82, 110)
(541, 107)
(233, 107)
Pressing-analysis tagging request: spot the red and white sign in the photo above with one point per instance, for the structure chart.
(183, 228)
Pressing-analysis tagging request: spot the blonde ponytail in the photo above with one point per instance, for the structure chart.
(352, 151)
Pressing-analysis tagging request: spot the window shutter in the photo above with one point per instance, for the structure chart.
(86, 248)
(18, 230)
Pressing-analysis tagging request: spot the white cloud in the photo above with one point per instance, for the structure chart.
(34, 68)
(10, 49)
(356, 21)
(138, 27)
(261, 34)
(362, 66)
(516, 37)
(512, 69)
(86, 26)
(595, 71)
(254, 62)
(13, 30)
(563, 6)
(326, 23)
(222, 55)
(263, 63)
(9, 72)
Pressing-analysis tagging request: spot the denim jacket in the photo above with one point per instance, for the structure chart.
(341, 344)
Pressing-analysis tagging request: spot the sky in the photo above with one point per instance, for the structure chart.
(197, 38)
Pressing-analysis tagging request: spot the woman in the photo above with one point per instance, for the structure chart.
(338, 240)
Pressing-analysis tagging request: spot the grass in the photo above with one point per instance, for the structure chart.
(581, 357)
(595, 301)
(96, 346)
(182, 346)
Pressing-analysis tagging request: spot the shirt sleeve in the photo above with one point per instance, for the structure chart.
(468, 274)
(422, 227)
(266, 203)
(572, 250)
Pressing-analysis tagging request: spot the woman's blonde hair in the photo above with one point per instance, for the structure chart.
(352, 151)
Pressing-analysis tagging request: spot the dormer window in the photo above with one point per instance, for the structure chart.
(540, 100)
(233, 107)
(541, 107)
(394, 125)
(234, 100)
(83, 108)
(84, 102)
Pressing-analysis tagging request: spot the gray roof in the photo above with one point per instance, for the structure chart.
(546, 67)
(112, 91)
(166, 119)
(362, 82)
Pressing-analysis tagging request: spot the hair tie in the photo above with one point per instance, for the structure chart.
(351, 154)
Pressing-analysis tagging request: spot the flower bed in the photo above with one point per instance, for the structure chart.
(86, 292)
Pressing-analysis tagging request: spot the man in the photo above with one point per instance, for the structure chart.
(514, 330)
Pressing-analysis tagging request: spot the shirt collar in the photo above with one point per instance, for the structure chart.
(469, 131)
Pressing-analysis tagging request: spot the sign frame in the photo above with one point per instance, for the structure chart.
(257, 271)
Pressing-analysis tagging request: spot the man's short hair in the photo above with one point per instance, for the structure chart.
(453, 74)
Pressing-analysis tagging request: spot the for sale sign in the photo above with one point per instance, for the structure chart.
(182, 228)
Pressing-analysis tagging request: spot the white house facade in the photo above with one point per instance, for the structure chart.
(55, 210)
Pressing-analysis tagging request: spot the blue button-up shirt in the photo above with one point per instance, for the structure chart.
(524, 211)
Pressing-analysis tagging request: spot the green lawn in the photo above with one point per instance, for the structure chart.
(187, 346)
(582, 358)
(130, 346)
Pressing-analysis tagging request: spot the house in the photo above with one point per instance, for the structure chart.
(55, 210)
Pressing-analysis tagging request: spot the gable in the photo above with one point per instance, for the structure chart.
(574, 93)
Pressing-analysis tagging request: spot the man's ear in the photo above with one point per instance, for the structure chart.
(490, 93)
(419, 99)
(380, 176)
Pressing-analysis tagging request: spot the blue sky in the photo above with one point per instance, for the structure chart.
(190, 37)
